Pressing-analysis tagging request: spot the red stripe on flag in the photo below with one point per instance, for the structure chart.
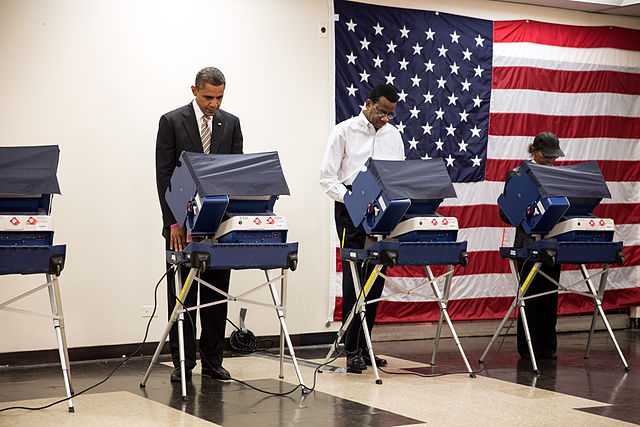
(507, 124)
(565, 81)
(565, 35)
(487, 215)
(621, 213)
(490, 308)
(474, 216)
(612, 170)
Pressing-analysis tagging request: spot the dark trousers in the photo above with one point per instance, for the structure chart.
(212, 319)
(542, 312)
(355, 238)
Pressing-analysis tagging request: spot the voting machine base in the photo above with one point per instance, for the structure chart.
(200, 260)
(549, 252)
(390, 254)
(55, 300)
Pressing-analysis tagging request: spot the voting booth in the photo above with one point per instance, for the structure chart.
(554, 205)
(226, 202)
(396, 202)
(27, 184)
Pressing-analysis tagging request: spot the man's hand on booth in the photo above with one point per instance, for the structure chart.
(178, 238)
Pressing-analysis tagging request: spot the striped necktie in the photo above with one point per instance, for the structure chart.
(205, 135)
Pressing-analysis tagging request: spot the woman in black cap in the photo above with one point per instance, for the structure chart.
(542, 312)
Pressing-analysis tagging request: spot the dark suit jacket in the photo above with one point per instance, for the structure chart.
(177, 132)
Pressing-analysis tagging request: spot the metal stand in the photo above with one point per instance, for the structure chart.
(519, 301)
(56, 315)
(359, 308)
(179, 310)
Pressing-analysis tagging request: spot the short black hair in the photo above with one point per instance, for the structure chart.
(210, 75)
(385, 90)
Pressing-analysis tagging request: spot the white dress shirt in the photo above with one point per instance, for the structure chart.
(350, 144)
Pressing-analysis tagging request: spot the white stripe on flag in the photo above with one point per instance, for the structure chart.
(564, 104)
(510, 54)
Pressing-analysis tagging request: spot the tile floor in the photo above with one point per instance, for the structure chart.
(569, 391)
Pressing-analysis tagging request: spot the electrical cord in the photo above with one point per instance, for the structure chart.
(146, 333)
(244, 341)
(206, 362)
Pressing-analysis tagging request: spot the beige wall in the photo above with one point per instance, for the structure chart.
(94, 78)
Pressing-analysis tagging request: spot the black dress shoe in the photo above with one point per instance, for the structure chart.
(216, 373)
(355, 364)
(175, 375)
(379, 361)
(550, 356)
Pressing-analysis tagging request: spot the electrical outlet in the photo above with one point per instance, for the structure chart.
(147, 310)
(323, 30)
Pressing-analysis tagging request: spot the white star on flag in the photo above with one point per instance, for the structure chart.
(429, 34)
(390, 79)
(450, 129)
(450, 160)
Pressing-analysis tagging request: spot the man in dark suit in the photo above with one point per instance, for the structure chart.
(200, 127)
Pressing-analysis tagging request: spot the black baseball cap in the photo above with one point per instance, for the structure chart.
(548, 144)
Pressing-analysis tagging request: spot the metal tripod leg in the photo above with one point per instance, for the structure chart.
(178, 312)
(516, 280)
(356, 309)
(594, 317)
(436, 293)
(283, 327)
(58, 325)
(597, 298)
(442, 302)
(283, 292)
(525, 326)
(363, 311)
(520, 291)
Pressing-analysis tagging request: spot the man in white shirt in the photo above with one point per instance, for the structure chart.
(350, 144)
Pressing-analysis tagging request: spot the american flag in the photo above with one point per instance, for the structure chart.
(475, 92)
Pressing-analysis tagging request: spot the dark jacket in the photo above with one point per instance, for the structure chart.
(177, 132)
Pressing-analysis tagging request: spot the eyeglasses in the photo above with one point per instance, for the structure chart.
(381, 114)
